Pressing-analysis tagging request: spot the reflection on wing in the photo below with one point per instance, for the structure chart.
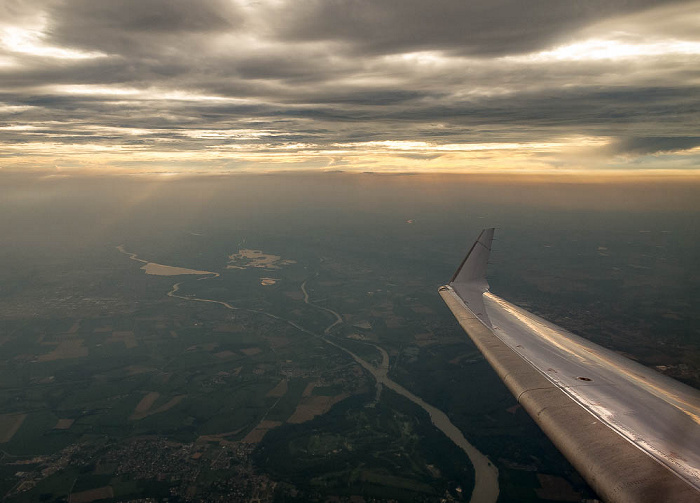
(633, 433)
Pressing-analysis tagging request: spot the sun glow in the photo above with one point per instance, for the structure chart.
(426, 147)
(149, 94)
(611, 49)
(31, 42)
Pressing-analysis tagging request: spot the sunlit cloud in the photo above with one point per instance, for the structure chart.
(31, 42)
(420, 146)
(238, 134)
(154, 93)
(18, 127)
(601, 49)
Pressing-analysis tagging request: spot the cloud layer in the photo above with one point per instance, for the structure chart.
(401, 85)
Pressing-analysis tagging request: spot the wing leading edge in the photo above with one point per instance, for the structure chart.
(632, 433)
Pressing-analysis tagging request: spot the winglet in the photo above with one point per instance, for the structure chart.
(472, 271)
(469, 282)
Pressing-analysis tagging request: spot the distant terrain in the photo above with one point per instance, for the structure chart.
(200, 345)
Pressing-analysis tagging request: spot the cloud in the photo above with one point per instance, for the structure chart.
(136, 25)
(483, 28)
(313, 83)
(656, 144)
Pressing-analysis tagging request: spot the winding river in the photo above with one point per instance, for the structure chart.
(486, 487)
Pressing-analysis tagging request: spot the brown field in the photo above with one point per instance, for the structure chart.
(278, 391)
(173, 334)
(312, 406)
(219, 437)
(145, 404)
(225, 354)
(251, 351)
(168, 270)
(309, 389)
(257, 433)
(64, 424)
(133, 370)
(168, 405)
(124, 336)
(9, 424)
(74, 328)
(72, 348)
(100, 493)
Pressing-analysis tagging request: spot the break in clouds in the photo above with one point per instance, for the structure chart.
(400, 85)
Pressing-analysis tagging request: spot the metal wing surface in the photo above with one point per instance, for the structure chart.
(633, 433)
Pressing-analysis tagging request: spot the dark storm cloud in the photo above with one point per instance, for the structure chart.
(484, 28)
(136, 25)
(654, 144)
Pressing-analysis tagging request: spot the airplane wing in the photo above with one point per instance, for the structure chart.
(631, 432)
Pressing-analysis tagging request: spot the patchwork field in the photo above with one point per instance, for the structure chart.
(9, 424)
(71, 348)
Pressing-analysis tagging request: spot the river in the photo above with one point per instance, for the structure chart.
(486, 488)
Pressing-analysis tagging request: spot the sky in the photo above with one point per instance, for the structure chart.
(218, 86)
